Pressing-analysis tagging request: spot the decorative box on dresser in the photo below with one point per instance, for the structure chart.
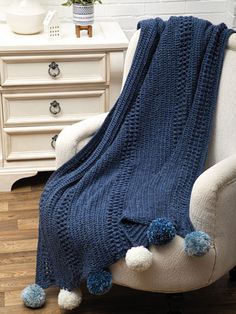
(48, 84)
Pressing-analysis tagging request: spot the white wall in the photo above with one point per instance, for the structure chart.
(129, 12)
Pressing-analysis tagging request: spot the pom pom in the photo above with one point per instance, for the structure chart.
(68, 300)
(33, 296)
(160, 231)
(138, 258)
(99, 283)
(197, 243)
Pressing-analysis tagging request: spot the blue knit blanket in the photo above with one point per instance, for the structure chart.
(142, 163)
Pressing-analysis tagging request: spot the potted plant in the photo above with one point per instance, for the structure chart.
(83, 11)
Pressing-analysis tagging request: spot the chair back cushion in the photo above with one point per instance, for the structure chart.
(223, 137)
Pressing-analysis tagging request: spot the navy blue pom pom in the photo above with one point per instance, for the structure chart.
(160, 231)
(33, 296)
(197, 243)
(99, 283)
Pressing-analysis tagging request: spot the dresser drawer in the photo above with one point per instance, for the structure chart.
(30, 143)
(58, 69)
(51, 108)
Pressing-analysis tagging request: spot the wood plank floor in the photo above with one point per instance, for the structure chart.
(18, 241)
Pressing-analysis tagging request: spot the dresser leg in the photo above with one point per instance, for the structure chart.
(9, 177)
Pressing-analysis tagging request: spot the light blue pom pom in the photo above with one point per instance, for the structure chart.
(99, 283)
(33, 296)
(160, 231)
(197, 243)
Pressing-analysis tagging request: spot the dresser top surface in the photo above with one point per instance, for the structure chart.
(106, 35)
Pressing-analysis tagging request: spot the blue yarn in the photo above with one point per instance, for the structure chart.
(142, 162)
(33, 296)
(197, 243)
(160, 231)
(99, 283)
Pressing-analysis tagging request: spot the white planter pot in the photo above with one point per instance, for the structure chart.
(83, 14)
(25, 16)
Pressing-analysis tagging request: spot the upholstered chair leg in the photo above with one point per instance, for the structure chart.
(175, 303)
(232, 274)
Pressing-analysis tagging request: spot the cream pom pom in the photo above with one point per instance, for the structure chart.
(138, 258)
(68, 300)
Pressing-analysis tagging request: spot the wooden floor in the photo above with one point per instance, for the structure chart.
(18, 241)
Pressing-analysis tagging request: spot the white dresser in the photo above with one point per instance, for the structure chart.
(47, 84)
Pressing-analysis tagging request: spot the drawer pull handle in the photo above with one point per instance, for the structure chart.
(55, 107)
(53, 142)
(54, 69)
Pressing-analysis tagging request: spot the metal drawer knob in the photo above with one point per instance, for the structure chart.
(55, 107)
(54, 69)
(53, 142)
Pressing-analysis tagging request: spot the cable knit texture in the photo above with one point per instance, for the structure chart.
(143, 161)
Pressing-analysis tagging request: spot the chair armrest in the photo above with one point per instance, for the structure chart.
(213, 210)
(74, 137)
(206, 191)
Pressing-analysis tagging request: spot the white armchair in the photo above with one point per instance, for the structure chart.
(213, 199)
